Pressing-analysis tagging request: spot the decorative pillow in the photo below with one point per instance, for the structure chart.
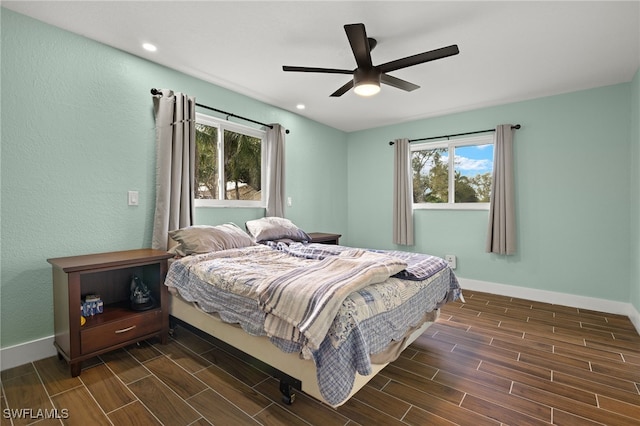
(204, 238)
(275, 228)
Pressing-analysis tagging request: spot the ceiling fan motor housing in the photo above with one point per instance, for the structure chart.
(366, 76)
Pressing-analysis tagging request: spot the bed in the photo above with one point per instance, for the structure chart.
(328, 317)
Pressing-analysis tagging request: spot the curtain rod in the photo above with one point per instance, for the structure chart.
(517, 126)
(228, 114)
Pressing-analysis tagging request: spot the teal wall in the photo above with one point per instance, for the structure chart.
(78, 133)
(635, 192)
(572, 203)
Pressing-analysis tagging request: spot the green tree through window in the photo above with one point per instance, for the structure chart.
(231, 171)
(430, 176)
(242, 161)
(206, 162)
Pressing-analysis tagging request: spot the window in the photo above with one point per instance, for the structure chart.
(229, 164)
(454, 174)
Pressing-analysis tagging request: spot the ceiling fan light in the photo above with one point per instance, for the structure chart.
(367, 89)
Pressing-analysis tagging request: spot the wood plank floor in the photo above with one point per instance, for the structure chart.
(492, 360)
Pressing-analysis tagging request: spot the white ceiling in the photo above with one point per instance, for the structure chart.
(509, 51)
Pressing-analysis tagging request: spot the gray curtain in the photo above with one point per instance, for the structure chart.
(501, 237)
(175, 164)
(275, 171)
(402, 194)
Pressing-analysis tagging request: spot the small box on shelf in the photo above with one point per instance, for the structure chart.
(92, 305)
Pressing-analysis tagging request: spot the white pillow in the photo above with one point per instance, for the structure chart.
(275, 228)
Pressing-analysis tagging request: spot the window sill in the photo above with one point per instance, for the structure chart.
(226, 204)
(449, 206)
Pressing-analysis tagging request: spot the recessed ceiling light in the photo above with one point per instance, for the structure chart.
(300, 106)
(150, 47)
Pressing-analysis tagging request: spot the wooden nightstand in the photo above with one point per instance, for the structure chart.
(324, 238)
(108, 275)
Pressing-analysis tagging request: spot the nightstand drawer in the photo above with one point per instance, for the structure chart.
(116, 332)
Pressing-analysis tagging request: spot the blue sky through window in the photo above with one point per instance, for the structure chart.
(474, 159)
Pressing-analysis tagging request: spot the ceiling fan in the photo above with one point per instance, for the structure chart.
(367, 77)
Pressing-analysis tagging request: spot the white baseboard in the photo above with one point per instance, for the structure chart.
(27, 352)
(35, 350)
(584, 302)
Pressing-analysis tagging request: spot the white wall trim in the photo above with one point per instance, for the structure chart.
(35, 350)
(546, 296)
(27, 352)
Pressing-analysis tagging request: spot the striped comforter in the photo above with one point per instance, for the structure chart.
(305, 300)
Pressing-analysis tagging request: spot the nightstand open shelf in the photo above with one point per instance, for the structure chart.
(109, 276)
(324, 238)
(113, 312)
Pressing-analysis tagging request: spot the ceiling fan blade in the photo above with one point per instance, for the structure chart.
(420, 58)
(359, 44)
(398, 83)
(344, 89)
(311, 69)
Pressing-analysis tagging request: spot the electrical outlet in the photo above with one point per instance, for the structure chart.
(451, 260)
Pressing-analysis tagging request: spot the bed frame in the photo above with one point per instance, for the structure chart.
(293, 371)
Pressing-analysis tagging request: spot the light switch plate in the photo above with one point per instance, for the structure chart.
(133, 198)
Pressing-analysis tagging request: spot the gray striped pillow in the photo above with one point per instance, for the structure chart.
(198, 239)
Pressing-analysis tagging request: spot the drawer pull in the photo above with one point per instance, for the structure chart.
(124, 330)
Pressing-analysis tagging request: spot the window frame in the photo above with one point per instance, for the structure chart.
(223, 125)
(451, 144)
